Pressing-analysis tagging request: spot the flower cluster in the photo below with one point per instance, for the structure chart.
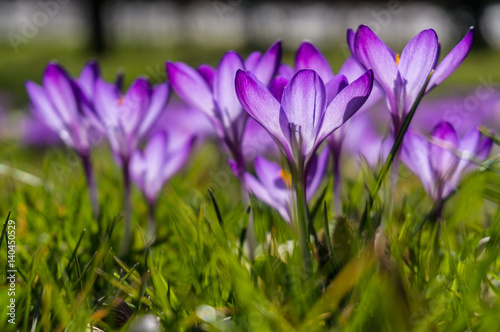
(295, 108)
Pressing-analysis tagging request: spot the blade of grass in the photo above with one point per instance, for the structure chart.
(73, 255)
(4, 228)
(394, 150)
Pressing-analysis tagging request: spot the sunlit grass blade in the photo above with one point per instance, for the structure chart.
(394, 151)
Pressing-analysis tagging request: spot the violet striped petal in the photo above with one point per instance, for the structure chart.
(224, 88)
(261, 105)
(267, 66)
(309, 57)
(57, 85)
(43, 107)
(304, 102)
(451, 61)
(345, 104)
(416, 63)
(191, 87)
(158, 103)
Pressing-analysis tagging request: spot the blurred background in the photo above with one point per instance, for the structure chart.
(137, 37)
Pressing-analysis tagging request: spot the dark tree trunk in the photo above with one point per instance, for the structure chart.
(96, 42)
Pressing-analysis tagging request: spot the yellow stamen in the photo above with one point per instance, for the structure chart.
(287, 178)
(397, 59)
(121, 100)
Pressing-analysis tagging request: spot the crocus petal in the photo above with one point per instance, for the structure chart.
(309, 57)
(43, 107)
(105, 100)
(154, 153)
(277, 86)
(87, 78)
(262, 193)
(415, 155)
(351, 69)
(350, 36)
(59, 90)
(138, 166)
(286, 71)
(177, 158)
(334, 86)
(208, 73)
(451, 62)
(224, 88)
(416, 63)
(261, 105)
(132, 107)
(158, 103)
(345, 104)
(191, 87)
(442, 158)
(267, 65)
(252, 60)
(373, 53)
(267, 172)
(304, 102)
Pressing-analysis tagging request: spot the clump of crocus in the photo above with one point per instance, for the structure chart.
(273, 184)
(164, 155)
(127, 120)
(212, 91)
(309, 57)
(62, 103)
(299, 121)
(441, 160)
(402, 77)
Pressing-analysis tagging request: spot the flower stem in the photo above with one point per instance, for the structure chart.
(89, 175)
(127, 230)
(151, 230)
(302, 221)
(336, 183)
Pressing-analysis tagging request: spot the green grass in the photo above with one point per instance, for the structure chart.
(432, 276)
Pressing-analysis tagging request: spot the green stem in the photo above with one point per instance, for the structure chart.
(302, 220)
(392, 155)
(151, 230)
(127, 229)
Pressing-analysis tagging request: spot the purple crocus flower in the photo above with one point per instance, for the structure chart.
(304, 115)
(127, 120)
(164, 155)
(212, 91)
(309, 57)
(273, 185)
(441, 161)
(62, 104)
(403, 77)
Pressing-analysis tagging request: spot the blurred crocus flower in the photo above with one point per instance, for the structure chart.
(164, 155)
(58, 102)
(37, 133)
(441, 161)
(212, 91)
(403, 77)
(273, 185)
(127, 120)
(62, 105)
(368, 136)
(305, 114)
